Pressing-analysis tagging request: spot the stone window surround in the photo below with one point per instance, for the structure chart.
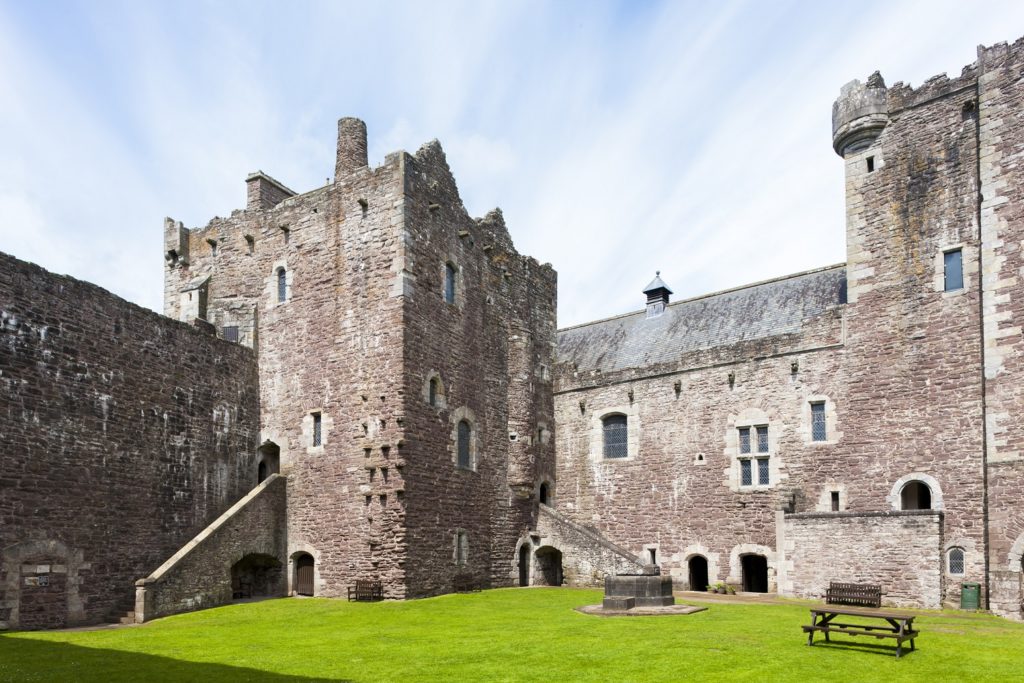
(440, 398)
(895, 498)
(271, 281)
(62, 560)
(832, 433)
(326, 423)
(825, 499)
(946, 556)
(752, 418)
(969, 263)
(458, 415)
(543, 433)
(460, 556)
(632, 413)
(551, 490)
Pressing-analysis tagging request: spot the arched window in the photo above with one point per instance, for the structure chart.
(432, 392)
(449, 283)
(916, 496)
(615, 432)
(955, 561)
(282, 285)
(461, 548)
(465, 432)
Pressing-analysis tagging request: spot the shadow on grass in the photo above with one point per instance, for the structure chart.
(27, 659)
(889, 650)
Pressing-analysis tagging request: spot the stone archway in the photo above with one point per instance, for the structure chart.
(256, 575)
(755, 573)
(549, 566)
(268, 461)
(305, 574)
(698, 573)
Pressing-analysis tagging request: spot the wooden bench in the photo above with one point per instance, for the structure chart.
(897, 626)
(855, 594)
(464, 583)
(366, 591)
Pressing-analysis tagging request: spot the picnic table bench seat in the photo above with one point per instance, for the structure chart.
(856, 594)
(898, 626)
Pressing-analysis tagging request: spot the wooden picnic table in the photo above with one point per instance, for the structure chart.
(898, 626)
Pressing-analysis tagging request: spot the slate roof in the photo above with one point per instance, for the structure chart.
(757, 311)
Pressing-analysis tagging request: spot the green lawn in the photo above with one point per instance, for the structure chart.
(503, 635)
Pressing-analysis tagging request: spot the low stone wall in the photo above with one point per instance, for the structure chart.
(1007, 594)
(200, 574)
(587, 556)
(901, 551)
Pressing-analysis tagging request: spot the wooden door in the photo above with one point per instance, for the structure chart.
(304, 575)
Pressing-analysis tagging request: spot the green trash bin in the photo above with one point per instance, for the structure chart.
(970, 595)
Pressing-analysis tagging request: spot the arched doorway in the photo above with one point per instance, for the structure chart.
(269, 461)
(256, 575)
(524, 564)
(916, 496)
(545, 493)
(755, 573)
(549, 565)
(304, 566)
(698, 565)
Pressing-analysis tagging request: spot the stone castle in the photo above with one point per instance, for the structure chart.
(364, 382)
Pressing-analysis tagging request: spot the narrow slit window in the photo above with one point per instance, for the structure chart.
(835, 501)
(433, 391)
(449, 283)
(871, 164)
(818, 422)
(250, 243)
(282, 285)
(954, 270)
(317, 429)
(464, 433)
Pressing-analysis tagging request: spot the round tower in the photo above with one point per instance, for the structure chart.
(859, 114)
(351, 147)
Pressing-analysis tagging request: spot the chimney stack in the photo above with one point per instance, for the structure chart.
(351, 147)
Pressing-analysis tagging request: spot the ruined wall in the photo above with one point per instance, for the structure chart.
(679, 490)
(488, 351)
(206, 571)
(125, 434)
(900, 551)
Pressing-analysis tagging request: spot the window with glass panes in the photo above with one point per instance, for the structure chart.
(616, 433)
(751, 467)
(818, 421)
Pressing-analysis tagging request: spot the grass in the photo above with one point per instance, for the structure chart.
(503, 635)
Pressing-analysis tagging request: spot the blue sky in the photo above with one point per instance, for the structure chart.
(692, 138)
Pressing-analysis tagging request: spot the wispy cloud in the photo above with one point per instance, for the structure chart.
(619, 138)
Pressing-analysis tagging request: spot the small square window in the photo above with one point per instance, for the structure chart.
(230, 333)
(762, 472)
(954, 270)
(746, 474)
(871, 164)
(744, 439)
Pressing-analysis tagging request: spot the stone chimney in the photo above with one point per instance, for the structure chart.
(351, 147)
(657, 296)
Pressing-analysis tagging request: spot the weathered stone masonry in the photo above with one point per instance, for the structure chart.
(124, 434)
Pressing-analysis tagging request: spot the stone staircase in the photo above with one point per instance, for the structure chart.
(123, 613)
(587, 556)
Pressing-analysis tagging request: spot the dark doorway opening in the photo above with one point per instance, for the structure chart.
(524, 564)
(304, 574)
(545, 494)
(916, 496)
(269, 461)
(755, 573)
(549, 565)
(698, 573)
(256, 576)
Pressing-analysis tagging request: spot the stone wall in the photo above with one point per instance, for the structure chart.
(901, 551)
(205, 572)
(124, 434)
